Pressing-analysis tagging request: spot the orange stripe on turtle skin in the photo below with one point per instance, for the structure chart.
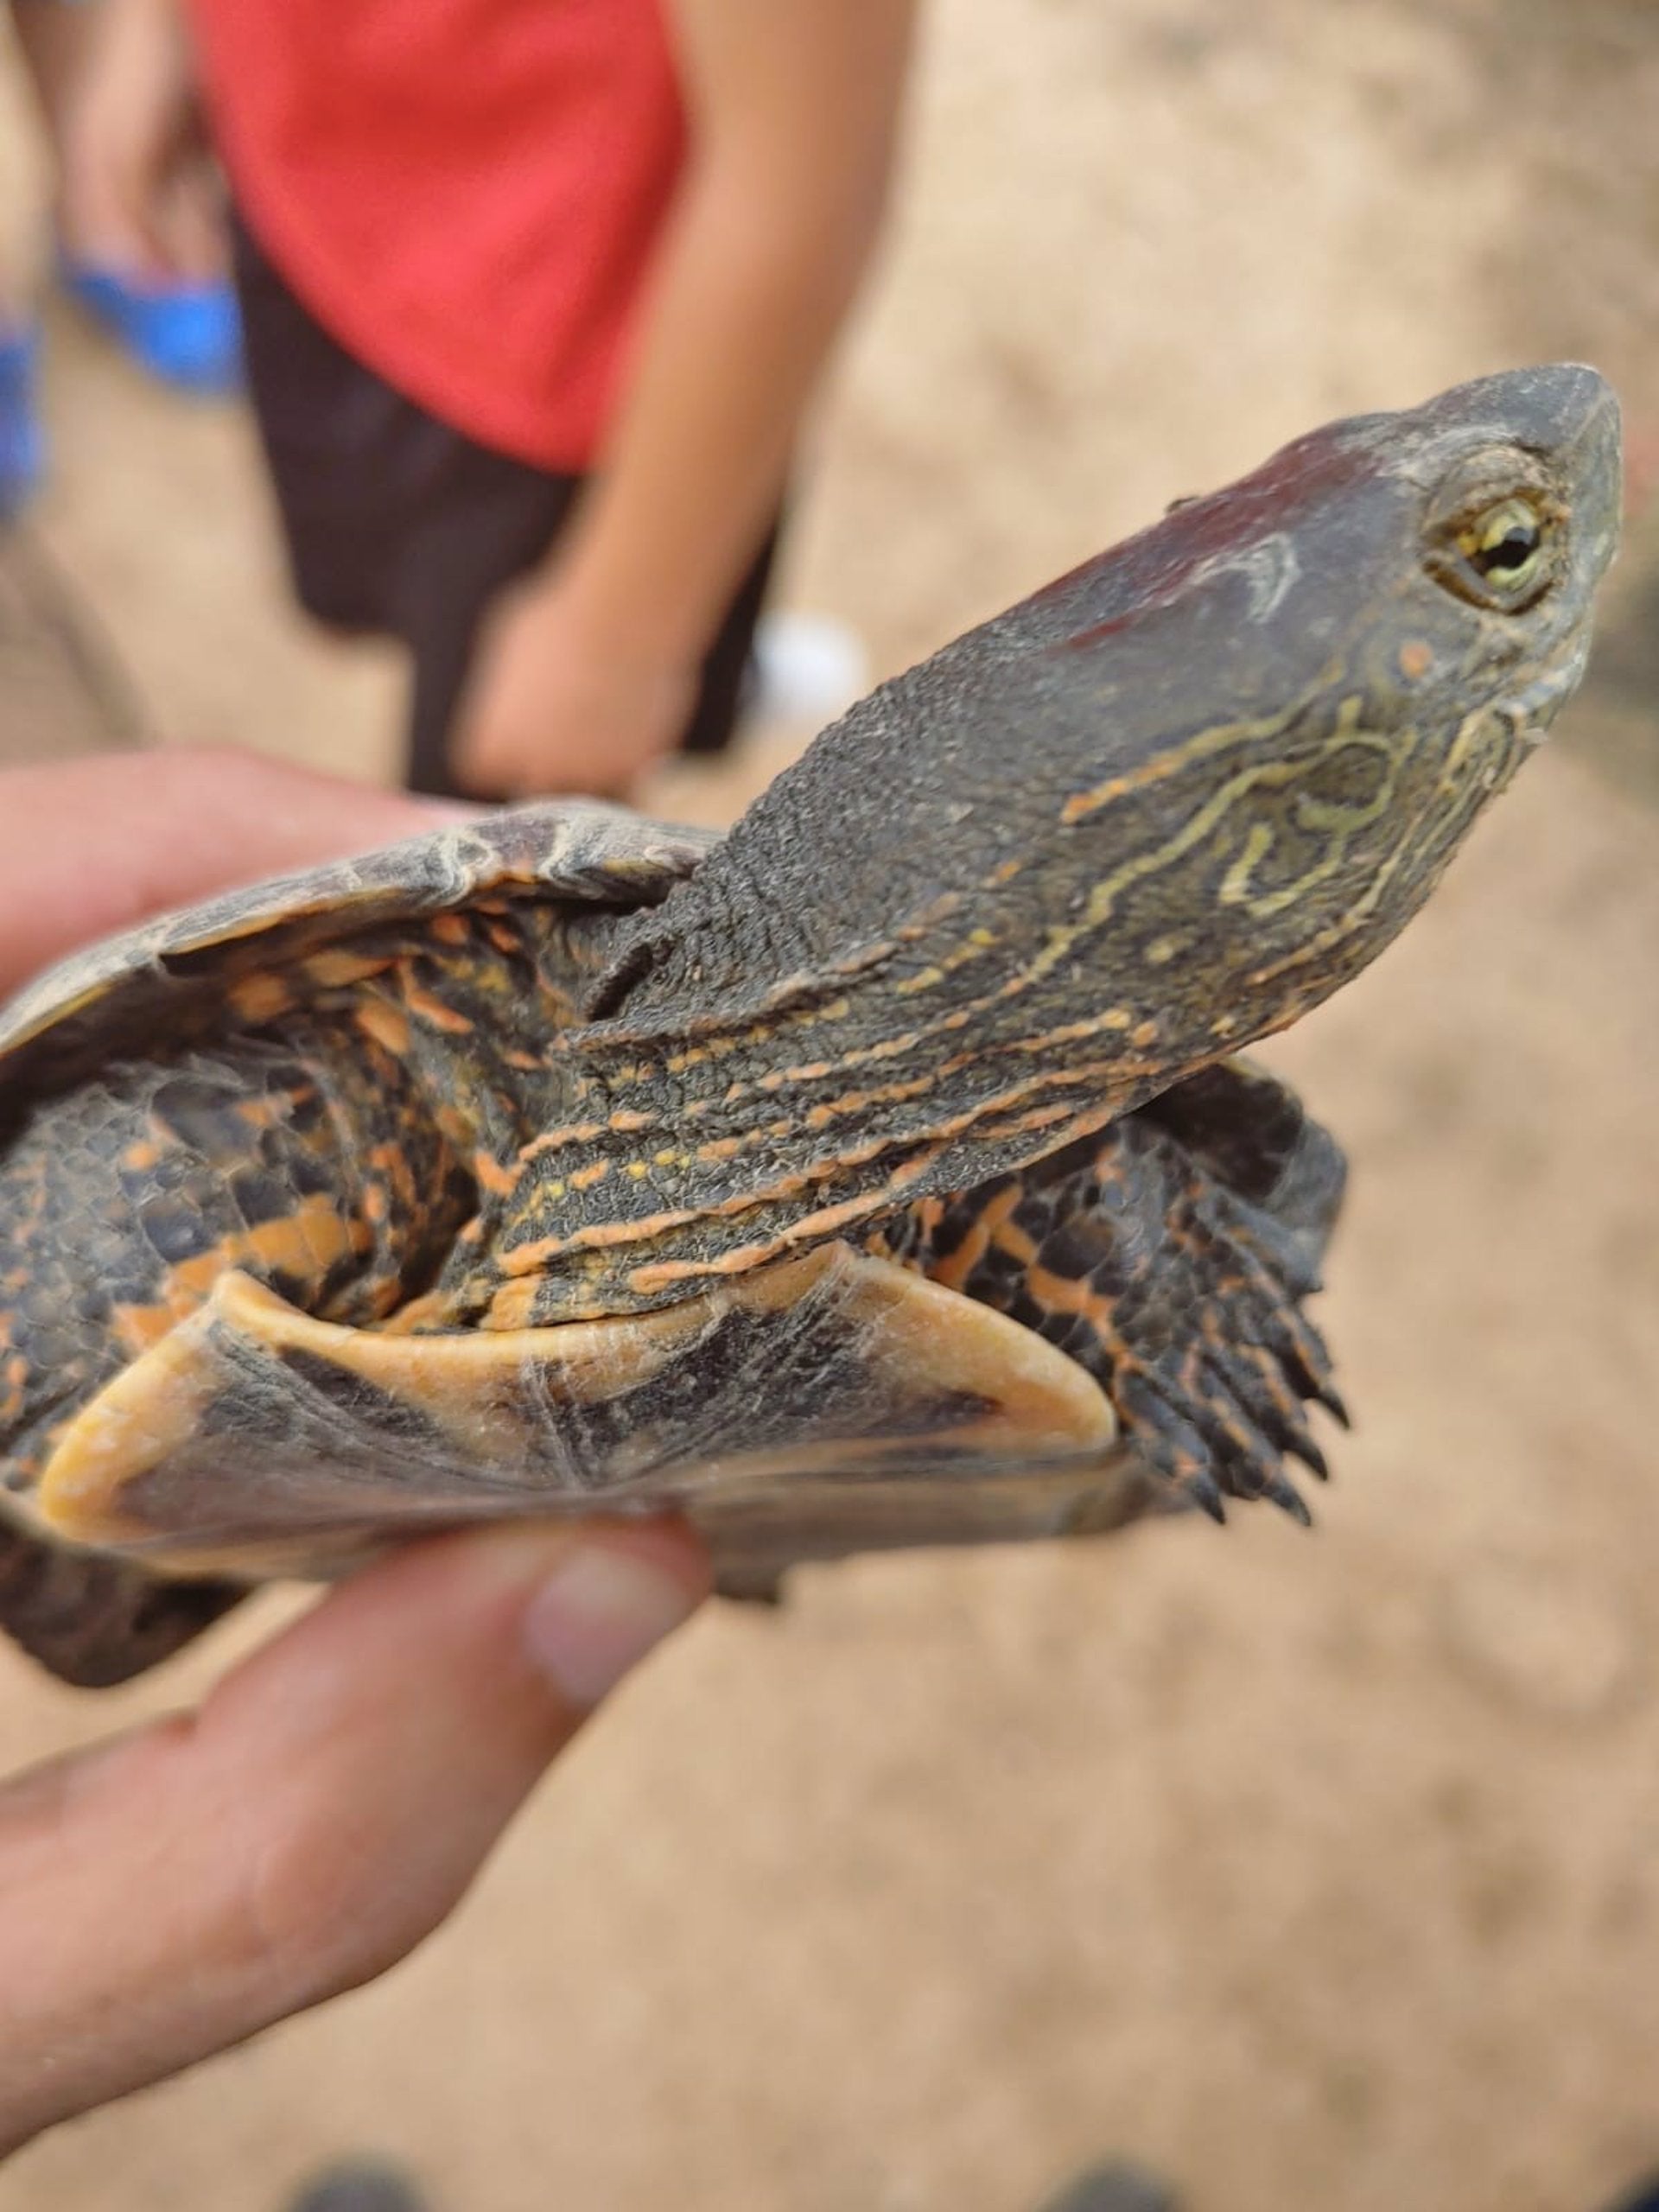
(857, 1102)
(925, 1216)
(258, 1111)
(384, 1024)
(954, 1271)
(888, 1048)
(335, 966)
(184, 1287)
(1013, 1243)
(15, 1375)
(1073, 1294)
(854, 1103)
(556, 1140)
(810, 1071)
(391, 1162)
(1109, 1019)
(261, 998)
(305, 1244)
(668, 1274)
(720, 1148)
(491, 1175)
(532, 1258)
(828, 1222)
(513, 1304)
(435, 1013)
(512, 1307)
(302, 1246)
(892, 1094)
(136, 1328)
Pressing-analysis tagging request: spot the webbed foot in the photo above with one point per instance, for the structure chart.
(1169, 1256)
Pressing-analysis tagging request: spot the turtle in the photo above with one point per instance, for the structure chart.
(889, 1170)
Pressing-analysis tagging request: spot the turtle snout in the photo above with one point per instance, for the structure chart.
(1594, 459)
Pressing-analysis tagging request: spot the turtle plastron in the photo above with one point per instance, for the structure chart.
(752, 1410)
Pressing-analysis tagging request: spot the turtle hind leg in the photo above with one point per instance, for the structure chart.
(94, 1622)
(1178, 1292)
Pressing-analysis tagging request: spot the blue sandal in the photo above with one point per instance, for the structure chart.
(187, 335)
(23, 441)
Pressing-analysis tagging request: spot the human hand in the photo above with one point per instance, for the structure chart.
(93, 845)
(171, 1893)
(139, 190)
(555, 705)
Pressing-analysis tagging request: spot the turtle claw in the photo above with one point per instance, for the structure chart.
(1210, 1430)
(1250, 1375)
(1303, 1448)
(1205, 1491)
(1196, 1422)
(1289, 1500)
(1332, 1399)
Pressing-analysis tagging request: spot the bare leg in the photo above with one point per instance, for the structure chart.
(67, 46)
(54, 41)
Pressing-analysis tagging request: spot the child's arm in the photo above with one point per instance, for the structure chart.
(590, 668)
(138, 184)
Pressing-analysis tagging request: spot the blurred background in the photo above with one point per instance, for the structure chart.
(1312, 1871)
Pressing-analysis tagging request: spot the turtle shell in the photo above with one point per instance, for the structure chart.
(169, 973)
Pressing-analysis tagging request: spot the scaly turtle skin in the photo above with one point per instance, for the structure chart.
(878, 1173)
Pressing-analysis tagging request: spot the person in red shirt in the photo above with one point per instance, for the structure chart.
(536, 294)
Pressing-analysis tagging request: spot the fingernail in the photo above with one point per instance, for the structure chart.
(597, 1614)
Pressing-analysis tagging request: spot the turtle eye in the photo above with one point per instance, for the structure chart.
(1505, 544)
(1503, 554)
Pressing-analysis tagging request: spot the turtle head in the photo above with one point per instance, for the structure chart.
(1489, 518)
(1265, 725)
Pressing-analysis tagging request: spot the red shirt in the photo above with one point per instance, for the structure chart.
(466, 194)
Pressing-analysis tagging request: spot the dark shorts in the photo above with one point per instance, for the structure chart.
(398, 525)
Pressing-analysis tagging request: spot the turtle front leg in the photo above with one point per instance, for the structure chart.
(1172, 1268)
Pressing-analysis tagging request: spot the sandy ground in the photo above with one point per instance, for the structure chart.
(1319, 1871)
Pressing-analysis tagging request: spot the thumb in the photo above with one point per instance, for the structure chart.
(170, 1893)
